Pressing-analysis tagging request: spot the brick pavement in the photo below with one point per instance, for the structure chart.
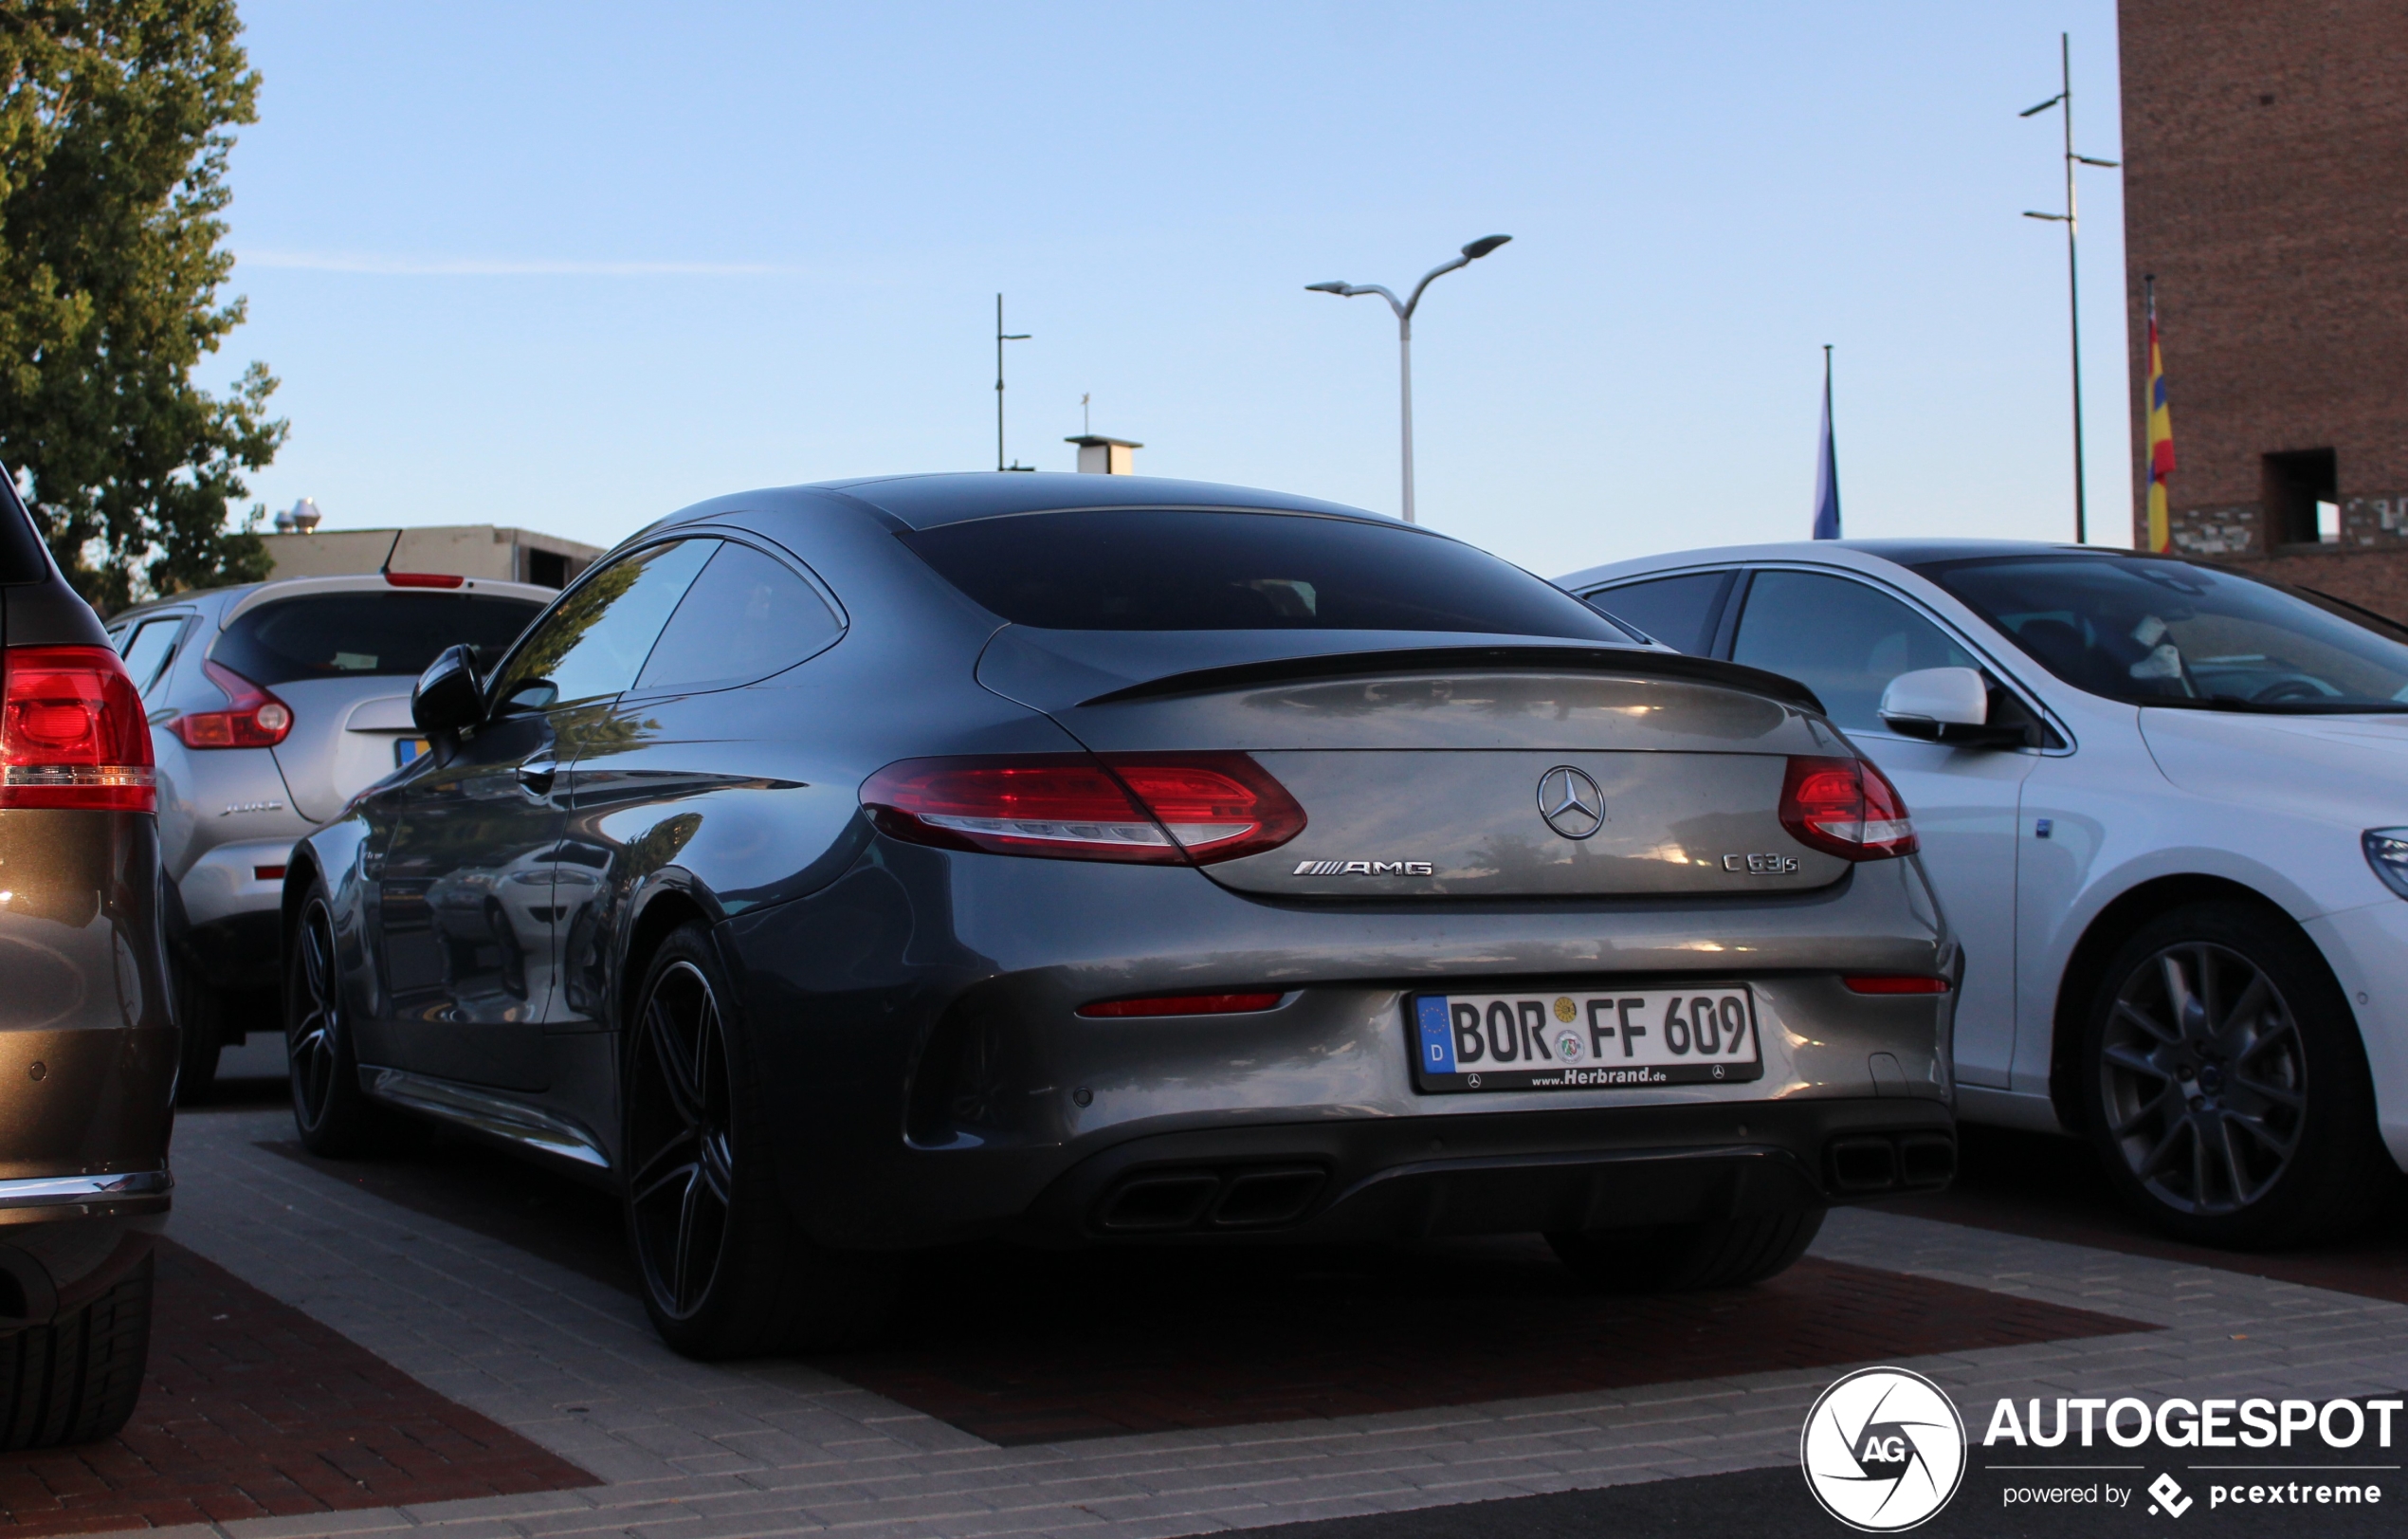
(250, 1408)
(689, 1450)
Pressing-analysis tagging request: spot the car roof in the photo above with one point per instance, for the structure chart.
(1856, 553)
(233, 601)
(927, 501)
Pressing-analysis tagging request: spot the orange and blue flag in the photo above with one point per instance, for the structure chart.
(2161, 435)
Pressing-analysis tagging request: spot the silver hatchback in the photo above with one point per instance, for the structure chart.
(271, 706)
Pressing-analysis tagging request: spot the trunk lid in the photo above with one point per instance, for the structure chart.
(1427, 766)
(344, 739)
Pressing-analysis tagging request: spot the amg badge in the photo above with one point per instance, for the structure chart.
(1762, 865)
(1363, 867)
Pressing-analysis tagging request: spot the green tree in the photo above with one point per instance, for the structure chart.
(116, 117)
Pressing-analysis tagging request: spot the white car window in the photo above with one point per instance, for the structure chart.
(148, 650)
(1680, 612)
(1841, 638)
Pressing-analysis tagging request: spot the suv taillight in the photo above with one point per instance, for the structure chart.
(254, 718)
(72, 732)
(1845, 807)
(1153, 809)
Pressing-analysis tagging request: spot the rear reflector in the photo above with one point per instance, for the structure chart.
(1152, 809)
(267, 873)
(1845, 807)
(425, 579)
(72, 733)
(1887, 984)
(254, 716)
(1184, 1004)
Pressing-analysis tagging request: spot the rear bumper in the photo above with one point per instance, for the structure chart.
(231, 925)
(915, 1032)
(1421, 1178)
(87, 1056)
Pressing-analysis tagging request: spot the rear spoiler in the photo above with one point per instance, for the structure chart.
(1624, 660)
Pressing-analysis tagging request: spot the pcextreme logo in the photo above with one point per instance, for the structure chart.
(1883, 1449)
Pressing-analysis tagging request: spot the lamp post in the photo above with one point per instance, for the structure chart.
(2064, 99)
(1002, 337)
(1404, 310)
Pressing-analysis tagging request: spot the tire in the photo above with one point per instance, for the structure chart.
(727, 1272)
(1679, 1258)
(200, 1014)
(76, 1380)
(334, 1116)
(2224, 1084)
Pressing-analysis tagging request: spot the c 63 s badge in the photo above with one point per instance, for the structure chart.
(1762, 865)
(1363, 867)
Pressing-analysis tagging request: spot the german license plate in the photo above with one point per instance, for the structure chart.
(1578, 1040)
(406, 749)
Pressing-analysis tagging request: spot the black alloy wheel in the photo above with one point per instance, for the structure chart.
(680, 1154)
(2228, 1093)
(727, 1272)
(333, 1114)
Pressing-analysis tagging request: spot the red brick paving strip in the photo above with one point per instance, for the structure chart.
(252, 1409)
(1129, 1373)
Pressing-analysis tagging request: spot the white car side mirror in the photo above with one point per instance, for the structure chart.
(1952, 706)
(1929, 699)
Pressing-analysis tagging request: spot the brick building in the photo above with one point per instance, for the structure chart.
(2266, 186)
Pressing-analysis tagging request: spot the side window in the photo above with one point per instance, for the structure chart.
(148, 649)
(745, 617)
(1679, 611)
(594, 644)
(1843, 639)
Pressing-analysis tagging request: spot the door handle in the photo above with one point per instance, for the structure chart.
(536, 776)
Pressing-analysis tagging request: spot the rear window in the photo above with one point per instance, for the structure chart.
(1177, 570)
(350, 634)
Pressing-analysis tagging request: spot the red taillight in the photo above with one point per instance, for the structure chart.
(1845, 807)
(72, 732)
(425, 579)
(1159, 809)
(1217, 806)
(1893, 983)
(255, 719)
(1184, 1004)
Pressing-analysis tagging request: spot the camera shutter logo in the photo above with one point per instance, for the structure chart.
(1883, 1449)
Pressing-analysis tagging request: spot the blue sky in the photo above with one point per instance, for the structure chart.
(573, 267)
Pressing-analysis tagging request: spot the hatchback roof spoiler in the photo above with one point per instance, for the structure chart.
(1661, 664)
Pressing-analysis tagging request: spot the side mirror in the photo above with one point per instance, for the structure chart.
(1947, 704)
(449, 697)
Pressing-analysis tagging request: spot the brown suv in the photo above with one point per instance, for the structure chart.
(87, 1043)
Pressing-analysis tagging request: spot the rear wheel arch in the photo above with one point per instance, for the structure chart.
(301, 870)
(2085, 969)
(657, 918)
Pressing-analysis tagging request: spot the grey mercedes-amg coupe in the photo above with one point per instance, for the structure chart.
(847, 869)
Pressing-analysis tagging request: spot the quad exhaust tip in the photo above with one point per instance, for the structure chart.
(1162, 1201)
(1890, 1163)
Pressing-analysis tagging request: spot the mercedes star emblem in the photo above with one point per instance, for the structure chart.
(1571, 802)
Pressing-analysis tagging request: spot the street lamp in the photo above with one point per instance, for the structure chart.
(2064, 99)
(1002, 337)
(1404, 310)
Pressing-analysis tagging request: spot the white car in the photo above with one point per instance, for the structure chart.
(2166, 808)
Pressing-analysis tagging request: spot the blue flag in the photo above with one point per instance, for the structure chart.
(1827, 468)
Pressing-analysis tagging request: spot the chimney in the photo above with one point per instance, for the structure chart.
(1106, 456)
